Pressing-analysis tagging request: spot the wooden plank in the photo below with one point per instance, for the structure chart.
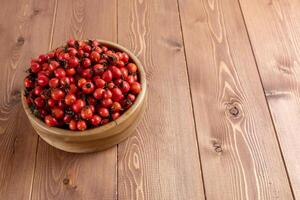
(161, 160)
(61, 175)
(25, 30)
(276, 48)
(240, 155)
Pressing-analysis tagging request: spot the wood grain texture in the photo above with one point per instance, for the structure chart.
(277, 51)
(160, 161)
(61, 175)
(25, 30)
(240, 155)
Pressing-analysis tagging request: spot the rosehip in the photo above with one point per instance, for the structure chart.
(103, 112)
(81, 125)
(96, 120)
(50, 121)
(57, 94)
(135, 87)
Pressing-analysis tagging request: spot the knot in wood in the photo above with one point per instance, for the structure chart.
(66, 181)
(234, 111)
(20, 41)
(218, 147)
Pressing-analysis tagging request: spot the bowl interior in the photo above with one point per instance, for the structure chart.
(121, 119)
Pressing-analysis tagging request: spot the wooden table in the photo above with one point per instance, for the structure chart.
(223, 115)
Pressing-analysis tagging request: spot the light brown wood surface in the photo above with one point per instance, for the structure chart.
(235, 132)
(24, 30)
(277, 52)
(222, 113)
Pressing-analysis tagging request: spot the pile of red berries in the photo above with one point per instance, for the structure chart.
(82, 85)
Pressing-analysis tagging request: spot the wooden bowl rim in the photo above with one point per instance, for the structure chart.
(108, 126)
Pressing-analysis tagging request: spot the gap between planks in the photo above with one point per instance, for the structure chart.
(191, 98)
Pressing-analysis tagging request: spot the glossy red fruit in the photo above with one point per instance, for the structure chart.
(135, 87)
(117, 94)
(73, 125)
(70, 99)
(120, 64)
(95, 43)
(116, 72)
(124, 72)
(125, 58)
(78, 105)
(95, 56)
(65, 81)
(58, 113)
(116, 107)
(67, 118)
(86, 62)
(50, 121)
(96, 120)
(45, 66)
(86, 112)
(107, 94)
(88, 87)
(130, 79)
(51, 54)
(57, 94)
(115, 115)
(66, 56)
(51, 102)
(72, 88)
(44, 73)
(54, 82)
(124, 86)
(98, 93)
(28, 83)
(87, 48)
(43, 58)
(60, 72)
(70, 71)
(107, 76)
(37, 90)
(132, 68)
(110, 85)
(98, 69)
(100, 83)
(39, 102)
(80, 53)
(81, 125)
(81, 82)
(98, 49)
(107, 103)
(71, 43)
(72, 51)
(131, 97)
(73, 62)
(43, 80)
(104, 48)
(53, 65)
(103, 112)
(87, 73)
(35, 67)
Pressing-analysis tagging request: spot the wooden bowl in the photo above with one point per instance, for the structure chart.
(99, 138)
